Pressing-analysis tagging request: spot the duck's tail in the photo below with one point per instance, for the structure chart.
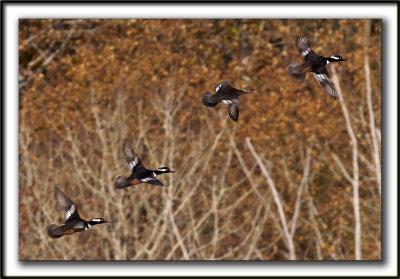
(249, 91)
(53, 231)
(208, 100)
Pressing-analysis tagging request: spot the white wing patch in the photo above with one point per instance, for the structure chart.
(218, 87)
(326, 84)
(304, 47)
(132, 164)
(146, 179)
(319, 77)
(154, 174)
(227, 102)
(70, 211)
(305, 52)
(67, 214)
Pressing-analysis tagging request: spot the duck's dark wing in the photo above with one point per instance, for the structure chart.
(222, 86)
(304, 48)
(233, 109)
(323, 79)
(227, 91)
(151, 180)
(70, 209)
(131, 157)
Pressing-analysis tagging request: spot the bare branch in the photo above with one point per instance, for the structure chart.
(376, 150)
(303, 182)
(278, 202)
(356, 173)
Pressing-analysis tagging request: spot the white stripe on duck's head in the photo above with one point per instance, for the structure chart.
(335, 58)
(96, 221)
(164, 170)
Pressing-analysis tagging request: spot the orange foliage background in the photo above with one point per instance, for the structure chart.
(87, 84)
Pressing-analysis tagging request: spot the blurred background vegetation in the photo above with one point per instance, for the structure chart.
(87, 84)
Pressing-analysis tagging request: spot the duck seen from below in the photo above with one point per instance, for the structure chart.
(316, 64)
(228, 95)
(140, 174)
(73, 222)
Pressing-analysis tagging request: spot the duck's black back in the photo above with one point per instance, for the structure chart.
(74, 223)
(317, 63)
(140, 173)
(227, 92)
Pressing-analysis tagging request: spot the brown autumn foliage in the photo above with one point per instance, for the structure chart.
(87, 84)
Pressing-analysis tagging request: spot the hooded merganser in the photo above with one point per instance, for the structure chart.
(316, 64)
(228, 95)
(139, 172)
(73, 222)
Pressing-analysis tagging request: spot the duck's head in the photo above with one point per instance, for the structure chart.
(96, 221)
(336, 58)
(164, 170)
